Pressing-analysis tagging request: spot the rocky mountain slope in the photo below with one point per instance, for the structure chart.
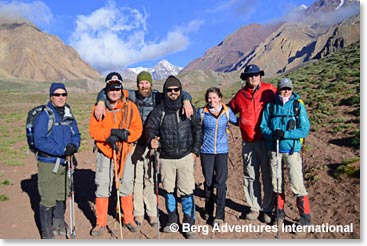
(294, 44)
(27, 52)
(221, 57)
(309, 33)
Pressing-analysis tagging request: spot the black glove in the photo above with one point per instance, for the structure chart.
(111, 140)
(122, 134)
(70, 149)
(278, 134)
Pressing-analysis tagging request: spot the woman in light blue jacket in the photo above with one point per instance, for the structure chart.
(284, 124)
(214, 151)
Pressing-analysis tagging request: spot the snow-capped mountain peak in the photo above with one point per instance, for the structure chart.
(162, 70)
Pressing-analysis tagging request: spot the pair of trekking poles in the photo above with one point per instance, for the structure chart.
(155, 154)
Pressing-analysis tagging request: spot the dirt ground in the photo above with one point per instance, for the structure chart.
(334, 202)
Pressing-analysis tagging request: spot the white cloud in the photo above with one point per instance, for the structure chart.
(238, 8)
(113, 37)
(37, 12)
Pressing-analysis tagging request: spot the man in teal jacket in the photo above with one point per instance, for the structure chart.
(281, 125)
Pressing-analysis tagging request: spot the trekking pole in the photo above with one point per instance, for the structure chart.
(156, 182)
(117, 190)
(71, 196)
(277, 177)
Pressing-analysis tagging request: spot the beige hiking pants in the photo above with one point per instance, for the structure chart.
(144, 193)
(295, 173)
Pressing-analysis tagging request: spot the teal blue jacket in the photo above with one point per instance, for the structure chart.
(282, 118)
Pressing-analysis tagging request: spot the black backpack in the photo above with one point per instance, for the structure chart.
(32, 115)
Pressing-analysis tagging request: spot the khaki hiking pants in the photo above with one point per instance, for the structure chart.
(144, 192)
(105, 173)
(180, 172)
(295, 173)
(256, 161)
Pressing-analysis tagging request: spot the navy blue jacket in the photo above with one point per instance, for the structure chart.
(52, 145)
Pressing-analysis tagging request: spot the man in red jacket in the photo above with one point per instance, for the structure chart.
(249, 103)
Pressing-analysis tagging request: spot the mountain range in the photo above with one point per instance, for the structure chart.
(302, 36)
(160, 71)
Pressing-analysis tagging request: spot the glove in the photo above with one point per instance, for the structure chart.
(122, 134)
(70, 149)
(278, 134)
(111, 140)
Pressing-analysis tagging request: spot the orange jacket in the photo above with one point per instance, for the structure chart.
(100, 130)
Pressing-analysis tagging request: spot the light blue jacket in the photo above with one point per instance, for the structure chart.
(215, 136)
(282, 117)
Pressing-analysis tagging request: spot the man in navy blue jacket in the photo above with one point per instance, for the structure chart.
(54, 146)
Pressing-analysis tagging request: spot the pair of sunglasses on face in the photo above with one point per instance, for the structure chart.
(60, 94)
(173, 89)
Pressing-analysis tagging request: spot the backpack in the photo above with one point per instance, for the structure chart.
(296, 110)
(156, 98)
(228, 130)
(32, 115)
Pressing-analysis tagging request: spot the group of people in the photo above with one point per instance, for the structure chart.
(129, 125)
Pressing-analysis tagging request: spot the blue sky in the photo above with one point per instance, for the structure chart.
(110, 34)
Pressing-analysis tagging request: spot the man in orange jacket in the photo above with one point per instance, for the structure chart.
(115, 134)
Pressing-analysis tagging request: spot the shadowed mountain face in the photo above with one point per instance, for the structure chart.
(221, 57)
(294, 44)
(27, 52)
(307, 34)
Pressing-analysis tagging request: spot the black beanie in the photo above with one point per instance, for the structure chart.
(171, 81)
(113, 76)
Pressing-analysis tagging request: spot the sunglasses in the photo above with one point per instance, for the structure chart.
(60, 94)
(173, 89)
(253, 74)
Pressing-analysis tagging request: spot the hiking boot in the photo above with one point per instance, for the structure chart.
(60, 231)
(133, 227)
(253, 215)
(172, 224)
(190, 235)
(153, 221)
(139, 219)
(218, 222)
(45, 214)
(98, 231)
(279, 219)
(279, 222)
(206, 216)
(169, 228)
(59, 227)
(305, 220)
(265, 218)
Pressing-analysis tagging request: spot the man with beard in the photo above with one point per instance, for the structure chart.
(179, 140)
(146, 98)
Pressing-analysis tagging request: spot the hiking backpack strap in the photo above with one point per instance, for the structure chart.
(296, 112)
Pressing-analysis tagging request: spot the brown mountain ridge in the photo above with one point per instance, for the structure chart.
(27, 52)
